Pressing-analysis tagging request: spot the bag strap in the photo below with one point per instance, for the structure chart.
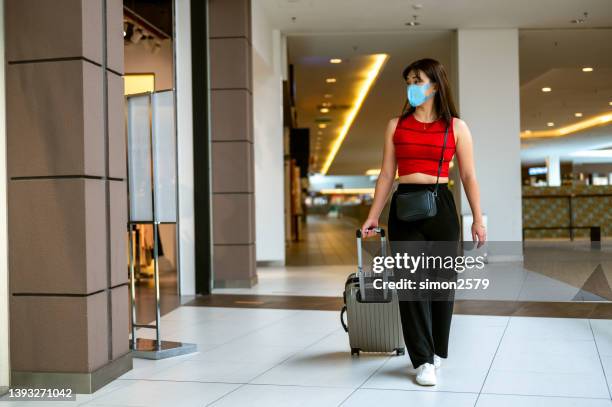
(441, 160)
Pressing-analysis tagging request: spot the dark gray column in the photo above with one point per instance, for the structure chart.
(67, 193)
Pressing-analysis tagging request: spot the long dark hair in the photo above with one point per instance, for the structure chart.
(443, 99)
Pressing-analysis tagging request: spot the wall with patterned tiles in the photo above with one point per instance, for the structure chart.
(550, 206)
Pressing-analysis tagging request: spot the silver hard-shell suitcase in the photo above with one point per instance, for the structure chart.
(371, 326)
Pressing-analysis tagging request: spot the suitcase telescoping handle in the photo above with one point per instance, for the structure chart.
(383, 247)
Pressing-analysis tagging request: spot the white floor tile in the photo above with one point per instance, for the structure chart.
(399, 374)
(370, 397)
(554, 356)
(288, 336)
(547, 357)
(500, 400)
(145, 368)
(602, 330)
(164, 394)
(283, 396)
(537, 383)
(219, 371)
(606, 362)
(548, 329)
(246, 352)
(327, 363)
(473, 342)
(326, 281)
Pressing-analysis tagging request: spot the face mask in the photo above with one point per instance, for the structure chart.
(416, 94)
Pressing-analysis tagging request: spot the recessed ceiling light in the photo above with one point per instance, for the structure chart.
(327, 95)
(550, 124)
(330, 80)
(414, 21)
(322, 125)
(319, 132)
(324, 110)
(587, 69)
(610, 103)
(335, 60)
(546, 89)
(578, 114)
(585, 15)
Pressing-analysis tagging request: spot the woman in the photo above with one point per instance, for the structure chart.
(413, 146)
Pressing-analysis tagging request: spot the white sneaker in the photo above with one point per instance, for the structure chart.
(426, 375)
(437, 362)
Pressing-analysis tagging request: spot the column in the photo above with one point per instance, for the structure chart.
(4, 292)
(553, 171)
(269, 52)
(233, 201)
(67, 208)
(184, 147)
(488, 83)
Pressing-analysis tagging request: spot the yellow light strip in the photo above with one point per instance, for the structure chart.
(347, 191)
(572, 128)
(373, 171)
(373, 71)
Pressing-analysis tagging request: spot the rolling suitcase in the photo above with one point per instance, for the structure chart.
(373, 324)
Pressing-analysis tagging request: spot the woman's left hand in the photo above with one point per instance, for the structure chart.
(479, 232)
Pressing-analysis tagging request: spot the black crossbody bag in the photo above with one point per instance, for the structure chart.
(416, 205)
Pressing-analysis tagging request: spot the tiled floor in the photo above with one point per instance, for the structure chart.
(271, 357)
(326, 241)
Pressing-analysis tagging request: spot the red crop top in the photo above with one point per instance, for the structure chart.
(418, 146)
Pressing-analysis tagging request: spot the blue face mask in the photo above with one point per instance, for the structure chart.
(416, 94)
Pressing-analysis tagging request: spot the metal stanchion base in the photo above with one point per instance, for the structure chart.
(147, 349)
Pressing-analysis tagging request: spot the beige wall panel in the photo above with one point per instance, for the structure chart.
(234, 263)
(231, 117)
(120, 316)
(230, 63)
(230, 18)
(118, 232)
(232, 167)
(34, 29)
(116, 127)
(233, 218)
(59, 334)
(114, 35)
(57, 238)
(54, 119)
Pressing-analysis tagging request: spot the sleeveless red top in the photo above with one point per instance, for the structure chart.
(418, 146)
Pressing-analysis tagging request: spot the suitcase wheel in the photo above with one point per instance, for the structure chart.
(355, 351)
(399, 351)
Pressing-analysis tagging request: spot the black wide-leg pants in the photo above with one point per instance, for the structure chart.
(426, 322)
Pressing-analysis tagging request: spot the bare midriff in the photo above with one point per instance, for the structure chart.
(420, 178)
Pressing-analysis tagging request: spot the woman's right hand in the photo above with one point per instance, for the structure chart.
(368, 225)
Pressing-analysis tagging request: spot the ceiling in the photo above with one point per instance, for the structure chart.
(157, 13)
(341, 16)
(552, 52)
(362, 147)
(554, 58)
(534, 151)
